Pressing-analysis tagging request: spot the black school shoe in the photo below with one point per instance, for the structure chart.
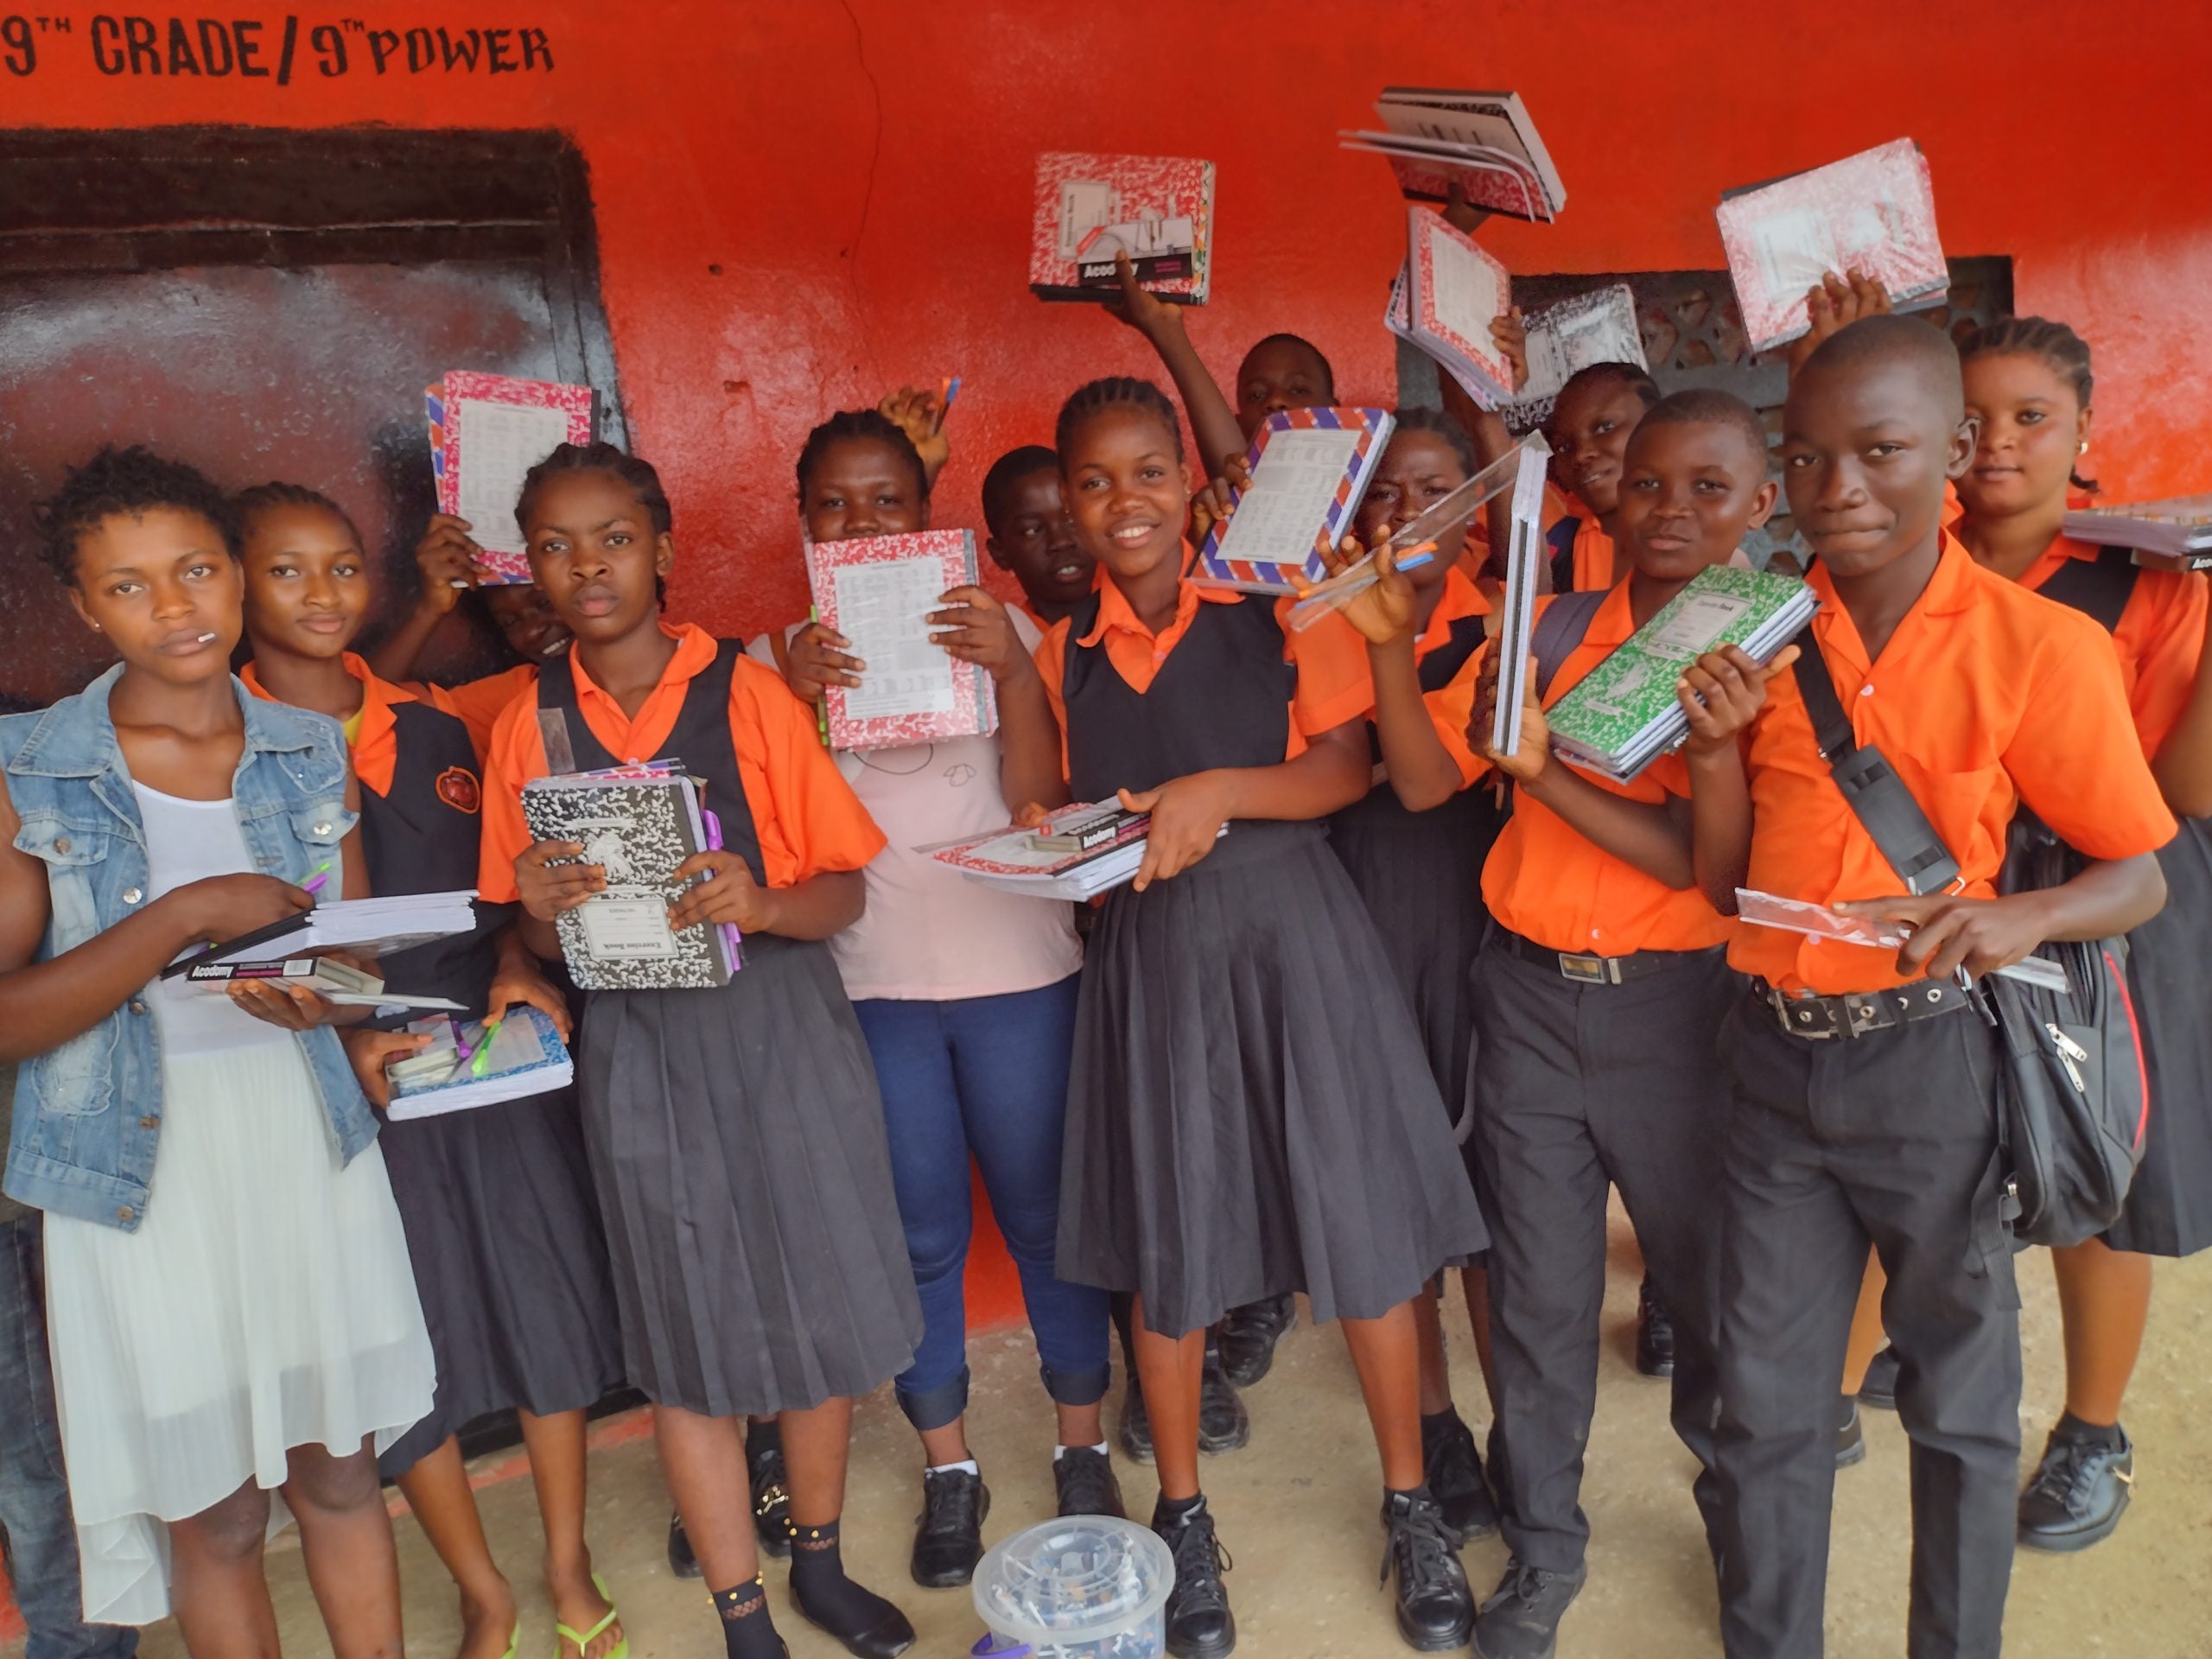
(1879, 1390)
(1083, 1480)
(1452, 1469)
(1521, 1621)
(1436, 1609)
(681, 1560)
(1850, 1437)
(1200, 1624)
(949, 1533)
(2080, 1490)
(1248, 1336)
(1654, 1332)
(771, 1502)
(1223, 1424)
(1133, 1429)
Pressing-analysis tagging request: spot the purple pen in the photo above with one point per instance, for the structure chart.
(715, 845)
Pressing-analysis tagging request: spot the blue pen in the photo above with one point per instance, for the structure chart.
(1415, 563)
(715, 845)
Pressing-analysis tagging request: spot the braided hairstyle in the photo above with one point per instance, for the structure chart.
(128, 482)
(868, 423)
(2063, 351)
(1116, 390)
(1442, 425)
(250, 503)
(600, 457)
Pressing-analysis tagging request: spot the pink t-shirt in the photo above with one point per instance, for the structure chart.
(928, 934)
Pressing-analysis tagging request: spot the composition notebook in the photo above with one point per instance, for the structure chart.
(1485, 141)
(486, 432)
(879, 591)
(1454, 289)
(1623, 713)
(1599, 327)
(374, 927)
(524, 1056)
(638, 824)
(1157, 209)
(1310, 467)
(1873, 211)
(2174, 534)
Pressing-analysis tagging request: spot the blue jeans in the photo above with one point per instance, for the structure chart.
(986, 1075)
(33, 1496)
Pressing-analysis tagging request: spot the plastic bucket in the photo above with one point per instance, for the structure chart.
(1085, 1586)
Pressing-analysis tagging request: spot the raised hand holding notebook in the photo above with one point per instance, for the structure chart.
(486, 432)
(1454, 291)
(1599, 327)
(1625, 712)
(879, 591)
(1485, 142)
(1309, 469)
(2170, 534)
(1157, 209)
(638, 824)
(1874, 211)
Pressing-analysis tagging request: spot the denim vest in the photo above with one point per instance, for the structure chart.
(88, 1114)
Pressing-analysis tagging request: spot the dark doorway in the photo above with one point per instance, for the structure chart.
(271, 305)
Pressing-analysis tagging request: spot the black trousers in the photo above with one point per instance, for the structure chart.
(1888, 1138)
(1578, 1087)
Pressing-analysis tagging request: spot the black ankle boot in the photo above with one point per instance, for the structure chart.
(1200, 1624)
(1436, 1609)
(1452, 1469)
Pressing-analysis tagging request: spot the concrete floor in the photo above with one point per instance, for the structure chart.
(1297, 1510)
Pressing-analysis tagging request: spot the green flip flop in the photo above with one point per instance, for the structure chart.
(583, 1641)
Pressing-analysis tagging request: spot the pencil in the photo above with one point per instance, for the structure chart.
(944, 402)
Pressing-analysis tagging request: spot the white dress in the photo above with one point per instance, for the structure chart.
(266, 1300)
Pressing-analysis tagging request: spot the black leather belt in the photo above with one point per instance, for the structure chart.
(1861, 1012)
(1597, 970)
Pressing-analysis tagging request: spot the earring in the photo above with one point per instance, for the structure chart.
(2084, 449)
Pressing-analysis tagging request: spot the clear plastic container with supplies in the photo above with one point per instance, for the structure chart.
(1086, 1586)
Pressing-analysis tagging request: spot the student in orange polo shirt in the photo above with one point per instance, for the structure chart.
(1250, 1113)
(736, 1134)
(2028, 383)
(1866, 1085)
(509, 1258)
(1597, 998)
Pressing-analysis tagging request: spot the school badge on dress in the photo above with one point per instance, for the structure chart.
(458, 788)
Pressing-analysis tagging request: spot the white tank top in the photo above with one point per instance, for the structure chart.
(187, 841)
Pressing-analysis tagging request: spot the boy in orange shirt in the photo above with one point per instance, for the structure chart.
(1866, 1087)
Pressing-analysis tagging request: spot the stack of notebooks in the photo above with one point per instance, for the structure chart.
(1484, 141)
(461, 1069)
(1564, 339)
(1309, 469)
(879, 591)
(1515, 616)
(637, 823)
(372, 927)
(1625, 713)
(2172, 535)
(1090, 209)
(1873, 211)
(1444, 302)
(486, 432)
(336, 982)
(1077, 853)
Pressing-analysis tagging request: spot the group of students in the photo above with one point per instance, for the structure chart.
(1417, 1010)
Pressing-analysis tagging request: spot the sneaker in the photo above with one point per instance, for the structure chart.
(1654, 1333)
(771, 1503)
(1135, 1428)
(949, 1533)
(1879, 1390)
(1083, 1477)
(1248, 1336)
(1452, 1469)
(2080, 1492)
(681, 1560)
(1223, 1424)
(1436, 1609)
(1200, 1624)
(1521, 1621)
(1850, 1437)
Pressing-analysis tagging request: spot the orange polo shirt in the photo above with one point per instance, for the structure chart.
(1460, 599)
(1984, 697)
(376, 743)
(480, 702)
(1594, 555)
(2159, 638)
(1330, 659)
(803, 810)
(1544, 878)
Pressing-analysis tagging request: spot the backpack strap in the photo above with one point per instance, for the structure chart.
(1563, 626)
(2100, 588)
(1870, 785)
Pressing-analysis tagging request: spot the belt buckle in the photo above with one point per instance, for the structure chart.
(1589, 971)
(1795, 1015)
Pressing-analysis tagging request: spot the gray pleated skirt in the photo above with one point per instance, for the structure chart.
(1251, 1110)
(737, 1139)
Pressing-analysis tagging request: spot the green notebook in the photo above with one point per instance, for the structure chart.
(1624, 712)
